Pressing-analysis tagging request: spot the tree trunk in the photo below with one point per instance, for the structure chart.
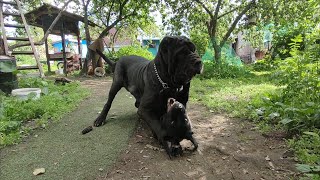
(84, 70)
(217, 50)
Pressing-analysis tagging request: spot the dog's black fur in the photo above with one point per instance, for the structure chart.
(178, 127)
(176, 63)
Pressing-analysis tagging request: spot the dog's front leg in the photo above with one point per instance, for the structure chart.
(156, 127)
(193, 140)
(101, 119)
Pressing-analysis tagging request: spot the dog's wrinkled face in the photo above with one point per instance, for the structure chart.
(181, 57)
(177, 119)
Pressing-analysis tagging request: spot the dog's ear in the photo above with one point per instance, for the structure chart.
(167, 52)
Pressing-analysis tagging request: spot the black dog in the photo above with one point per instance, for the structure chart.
(153, 82)
(177, 126)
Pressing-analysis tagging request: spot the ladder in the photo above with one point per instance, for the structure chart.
(16, 5)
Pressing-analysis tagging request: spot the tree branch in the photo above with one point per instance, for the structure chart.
(205, 8)
(216, 11)
(110, 10)
(120, 18)
(215, 19)
(235, 22)
(41, 42)
(232, 10)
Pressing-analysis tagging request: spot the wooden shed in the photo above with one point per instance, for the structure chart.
(68, 24)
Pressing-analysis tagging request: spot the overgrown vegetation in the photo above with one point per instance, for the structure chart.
(18, 117)
(284, 95)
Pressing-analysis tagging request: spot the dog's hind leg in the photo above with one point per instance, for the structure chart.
(101, 119)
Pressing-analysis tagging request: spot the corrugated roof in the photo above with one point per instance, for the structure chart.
(48, 9)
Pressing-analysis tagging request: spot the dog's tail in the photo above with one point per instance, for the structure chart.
(111, 63)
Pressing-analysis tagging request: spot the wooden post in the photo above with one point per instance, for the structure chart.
(79, 48)
(47, 55)
(64, 50)
(4, 36)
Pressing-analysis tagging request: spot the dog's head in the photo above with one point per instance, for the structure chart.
(179, 58)
(176, 121)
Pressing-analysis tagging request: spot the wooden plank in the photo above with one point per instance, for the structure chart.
(27, 67)
(14, 25)
(18, 38)
(10, 3)
(22, 53)
(79, 48)
(47, 55)
(36, 55)
(64, 50)
(11, 14)
(4, 37)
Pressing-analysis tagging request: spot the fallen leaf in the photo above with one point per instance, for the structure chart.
(271, 165)
(100, 169)
(245, 171)
(192, 173)
(267, 158)
(39, 171)
(152, 147)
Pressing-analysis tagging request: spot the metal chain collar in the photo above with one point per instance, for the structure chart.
(164, 85)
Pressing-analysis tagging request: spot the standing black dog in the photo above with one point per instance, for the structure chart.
(153, 82)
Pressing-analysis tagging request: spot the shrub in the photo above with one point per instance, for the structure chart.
(224, 70)
(133, 50)
(127, 51)
(54, 102)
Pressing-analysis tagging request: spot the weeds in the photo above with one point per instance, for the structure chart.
(55, 101)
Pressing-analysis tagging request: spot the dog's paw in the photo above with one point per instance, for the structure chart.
(176, 150)
(99, 122)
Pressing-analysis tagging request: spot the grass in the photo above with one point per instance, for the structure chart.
(17, 115)
(232, 95)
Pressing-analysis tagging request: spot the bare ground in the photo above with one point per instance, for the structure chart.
(228, 149)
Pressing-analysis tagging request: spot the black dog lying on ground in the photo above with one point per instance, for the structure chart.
(177, 126)
(153, 82)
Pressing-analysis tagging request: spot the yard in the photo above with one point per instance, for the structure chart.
(255, 108)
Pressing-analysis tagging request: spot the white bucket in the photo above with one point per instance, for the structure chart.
(23, 93)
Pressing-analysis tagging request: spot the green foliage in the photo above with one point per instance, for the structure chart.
(282, 39)
(298, 105)
(201, 40)
(307, 149)
(224, 70)
(54, 102)
(134, 50)
(296, 108)
(128, 51)
(265, 64)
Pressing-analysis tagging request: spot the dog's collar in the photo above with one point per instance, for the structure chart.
(164, 85)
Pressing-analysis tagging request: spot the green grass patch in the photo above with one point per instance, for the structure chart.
(16, 115)
(232, 95)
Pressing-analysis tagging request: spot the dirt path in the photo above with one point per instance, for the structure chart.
(63, 151)
(229, 149)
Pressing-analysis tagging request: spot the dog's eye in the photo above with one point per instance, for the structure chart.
(197, 64)
(172, 122)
